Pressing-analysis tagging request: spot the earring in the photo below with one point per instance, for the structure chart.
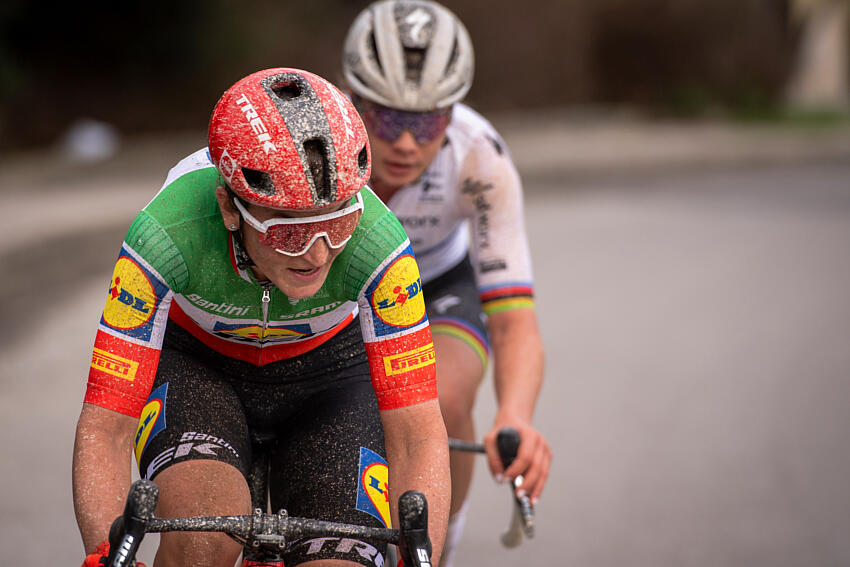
(232, 227)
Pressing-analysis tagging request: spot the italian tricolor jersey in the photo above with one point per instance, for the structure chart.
(178, 262)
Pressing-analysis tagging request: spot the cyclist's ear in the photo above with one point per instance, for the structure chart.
(229, 212)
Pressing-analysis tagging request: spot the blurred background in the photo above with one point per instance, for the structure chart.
(687, 174)
(160, 66)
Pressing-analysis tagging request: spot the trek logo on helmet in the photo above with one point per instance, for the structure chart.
(256, 123)
(346, 119)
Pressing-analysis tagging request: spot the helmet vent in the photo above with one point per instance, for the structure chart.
(286, 90)
(373, 46)
(414, 62)
(363, 161)
(259, 181)
(452, 58)
(317, 160)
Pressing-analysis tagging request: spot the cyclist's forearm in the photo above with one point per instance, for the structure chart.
(101, 471)
(417, 452)
(518, 361)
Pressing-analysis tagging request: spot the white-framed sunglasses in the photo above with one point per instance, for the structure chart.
(293, 236)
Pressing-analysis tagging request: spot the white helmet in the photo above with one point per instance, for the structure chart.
(412, 55)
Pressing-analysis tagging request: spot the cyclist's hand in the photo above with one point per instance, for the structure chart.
(99, 557)
(532, 461)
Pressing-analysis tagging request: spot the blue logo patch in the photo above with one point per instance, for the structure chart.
(373, 494)
(151, 420)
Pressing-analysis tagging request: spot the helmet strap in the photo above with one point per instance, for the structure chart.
(243, 259)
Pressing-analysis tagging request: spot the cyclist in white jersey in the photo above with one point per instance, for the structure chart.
(447, 175)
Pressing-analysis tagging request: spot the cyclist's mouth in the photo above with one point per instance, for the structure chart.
(305, 271)
(398, 168)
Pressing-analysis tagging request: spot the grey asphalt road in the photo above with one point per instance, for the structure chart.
(696, 323)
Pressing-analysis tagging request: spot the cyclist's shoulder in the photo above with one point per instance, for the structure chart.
(188, 191)
(181, 218)
(470, 132)
(379, 231)
(197, 161)
(379, 237)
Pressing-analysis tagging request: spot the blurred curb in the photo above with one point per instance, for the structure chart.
(555, 148)
(560, 146)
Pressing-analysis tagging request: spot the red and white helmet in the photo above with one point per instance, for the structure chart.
(288, 139)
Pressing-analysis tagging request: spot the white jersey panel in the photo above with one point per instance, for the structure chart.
(469, 200)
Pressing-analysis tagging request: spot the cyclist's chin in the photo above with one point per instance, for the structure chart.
(301, 286)
(296, 277)
(397, 176)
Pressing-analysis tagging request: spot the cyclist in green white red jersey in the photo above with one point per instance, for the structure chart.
(446, 173)
(265, 291)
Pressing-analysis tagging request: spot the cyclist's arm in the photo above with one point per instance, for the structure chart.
(123, 367)
(101, 470)
(491, 196)
(518, 376)
(402, 365)
(418, 458)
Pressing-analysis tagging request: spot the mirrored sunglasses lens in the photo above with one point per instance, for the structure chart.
(292, 238)
(428, 127)
(296, 238)
(389, 124)
(383, 122)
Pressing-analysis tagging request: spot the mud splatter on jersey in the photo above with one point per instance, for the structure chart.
(177, 263)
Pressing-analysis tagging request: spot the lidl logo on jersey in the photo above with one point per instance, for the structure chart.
(132, 298)
(373, 494)
(397, 298)
(258, 334)
(152, 419)
(410, 360)
(113, 364)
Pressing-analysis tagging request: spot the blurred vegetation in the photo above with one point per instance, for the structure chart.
(161, 66)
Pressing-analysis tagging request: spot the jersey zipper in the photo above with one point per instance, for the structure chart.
(266, 300)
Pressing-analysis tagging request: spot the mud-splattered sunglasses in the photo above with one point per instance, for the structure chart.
(295, 235)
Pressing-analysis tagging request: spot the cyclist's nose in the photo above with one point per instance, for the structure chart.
(319, 252)
(406, 142)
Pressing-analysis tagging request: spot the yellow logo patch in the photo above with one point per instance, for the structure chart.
(113, 364)
(131, 300)
(376, 483)
(147, 420)
(398, 299)
(410, 360)
(257, 333)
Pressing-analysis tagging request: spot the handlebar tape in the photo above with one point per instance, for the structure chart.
(508, 443)
(413, 517)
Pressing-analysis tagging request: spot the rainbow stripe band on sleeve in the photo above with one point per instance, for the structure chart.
(515, 295)
(460, 329)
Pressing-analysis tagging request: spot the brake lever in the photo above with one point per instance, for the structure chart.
(522, 517)
(414, 542)
(127, 530)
